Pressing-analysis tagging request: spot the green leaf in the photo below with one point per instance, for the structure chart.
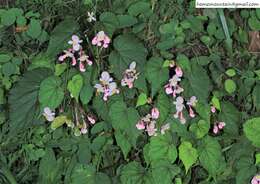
(252, 130)
(231, 72)
(210, 155)
(34, 29)
(187, 154)
(134, 173)
(110, 22)
(86, 93)
(230, 86)
(127, 50)
(9, 69)
(60, 68)
(254, 23)
(138, 8)
(82, 174)
(60, 36)
(216, 103)
(59, 121)
(183, 62)
(23, 100)
(4, 58)
(156, 74)
(51, 94)
(199, 82)
(141, 100)
(50, 169)
(75, 85)
(41, 61)
(8, 17)
(163, 172)
(200, 129)
(257, 158)
(163, 103)
(126, 21)
(162, 147)
(126, 132)
(256, 96)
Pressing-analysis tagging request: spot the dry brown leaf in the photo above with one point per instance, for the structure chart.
(254, 37)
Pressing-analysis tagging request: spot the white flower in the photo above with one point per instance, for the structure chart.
(130, 75)
(165, 127)
(91, 17)
(174, 80)
(106, 86)
(75, 42)
(193, 101)
(48, 114)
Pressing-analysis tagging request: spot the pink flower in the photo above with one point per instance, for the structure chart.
(101, 39)
(193, 101)
(164, 128)
(130, 75)
(67, 54)
(75, 42)
(213, 109)
(221, 125)
(155, 113)
(191, 113)
(48, 114)
(106, 86)
(151, 130)
(140, 125)
(178, 71)
(256, 179)
(84, 129)
(215, 129)
(91, 120)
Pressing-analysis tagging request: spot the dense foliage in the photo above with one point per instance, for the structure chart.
(128, 91)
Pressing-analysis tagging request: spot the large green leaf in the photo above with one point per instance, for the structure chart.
(163, 172)
(252, 131)
(187, 154)
(134, 173)
(164, 105)
(199, 82)
(123, 121)
(51, 93)
(61, 35)
(127, 50)
(162, 147)
(200, 129)
(210, 155)
(50, 169)
(23, 99)
(86, 174)
(156, 74)
(75, 85)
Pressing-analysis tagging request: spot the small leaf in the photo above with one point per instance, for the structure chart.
(252, 130)
(231, 72)
(9, 69)
(230, 86)
(51, 94)
(142, 100)
(60, 68)
(8, 17)
(162, 147)
(4, 58)
(59, 121)
(75, 85)
(257, 158)
(34, 29)
(187, 154)
(216, 103)
(200, 129)
(156, 74)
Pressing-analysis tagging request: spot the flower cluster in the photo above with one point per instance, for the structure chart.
(48, 114)
(83, 127)
(218, 126)
(256, 179)
(174, 89)
(130, 75)
(76, 54)
(148, 123)
(106, 86)
(101, 40)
